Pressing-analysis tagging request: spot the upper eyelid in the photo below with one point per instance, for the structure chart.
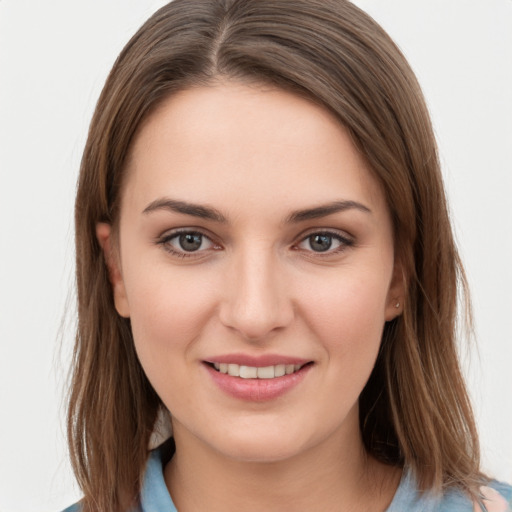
(165, 239)
(346, 241)
(171, 233)
(168, 235)
(326, 231)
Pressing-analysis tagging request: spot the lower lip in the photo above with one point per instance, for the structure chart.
(257, 390)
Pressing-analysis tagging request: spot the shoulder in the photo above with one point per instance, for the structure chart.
(73, 508)
(154, 496)
(77, 507)
(495, 497)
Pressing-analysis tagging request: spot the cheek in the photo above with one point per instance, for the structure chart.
(347, 313)
(169, 309)
(350, 299)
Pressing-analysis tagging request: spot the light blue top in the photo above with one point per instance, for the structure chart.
(156, 498)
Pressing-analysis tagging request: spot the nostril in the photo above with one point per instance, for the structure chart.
(256, 298)
(255, 322)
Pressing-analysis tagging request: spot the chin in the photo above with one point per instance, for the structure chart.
(260, 443)
(261, 451)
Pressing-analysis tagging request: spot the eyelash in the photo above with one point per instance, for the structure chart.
(345, 242)
(164, 241)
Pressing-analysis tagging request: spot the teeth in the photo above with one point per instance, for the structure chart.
(248, 372)
(253, 372)
(267, 372)
(234, 370)
(279, 370)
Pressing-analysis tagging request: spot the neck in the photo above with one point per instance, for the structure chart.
(320, 478)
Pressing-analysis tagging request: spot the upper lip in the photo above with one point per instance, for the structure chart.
(257, 361)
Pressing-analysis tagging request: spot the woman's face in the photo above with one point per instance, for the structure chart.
(253, 240)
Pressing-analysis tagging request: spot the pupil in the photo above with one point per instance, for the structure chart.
(190, 241)
(320, 243)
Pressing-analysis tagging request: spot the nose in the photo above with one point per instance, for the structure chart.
(257, 301)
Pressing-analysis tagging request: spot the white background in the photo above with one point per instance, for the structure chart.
(54, 58)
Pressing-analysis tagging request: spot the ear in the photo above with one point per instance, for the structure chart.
(396, 292)
(104, 236)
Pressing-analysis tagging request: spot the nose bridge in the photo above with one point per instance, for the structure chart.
(257, 300)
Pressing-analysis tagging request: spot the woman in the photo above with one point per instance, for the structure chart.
(264, 251)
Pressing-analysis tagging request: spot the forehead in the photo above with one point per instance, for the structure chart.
(246, 143)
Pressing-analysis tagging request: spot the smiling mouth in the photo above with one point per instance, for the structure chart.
(257, 372)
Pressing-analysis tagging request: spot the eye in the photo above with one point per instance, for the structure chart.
(325, 242)
(189, 242)
(184, 243)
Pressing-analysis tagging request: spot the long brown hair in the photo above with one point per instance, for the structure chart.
(414, 409)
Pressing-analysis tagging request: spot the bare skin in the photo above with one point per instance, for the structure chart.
(323, 480)
(251, 227)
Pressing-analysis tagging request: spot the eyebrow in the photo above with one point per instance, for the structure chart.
(209, 213)
(325, 210)
(195, 210)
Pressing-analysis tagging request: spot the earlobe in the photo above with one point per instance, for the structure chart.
(104, 236)
(396, 293)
